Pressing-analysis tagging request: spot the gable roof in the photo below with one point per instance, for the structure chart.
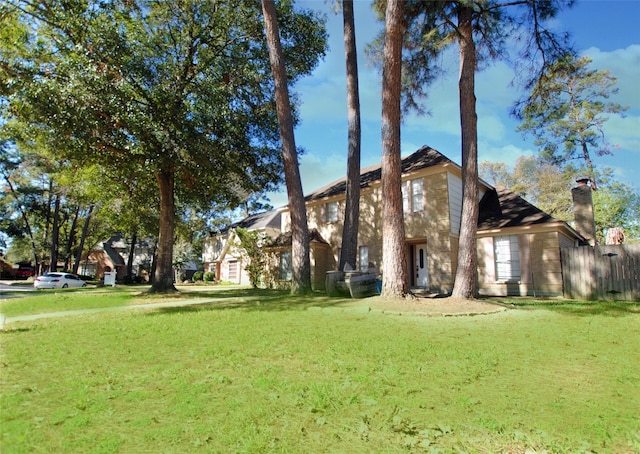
(286, 238)
(501, 208)
(256, 221)
(421, 159)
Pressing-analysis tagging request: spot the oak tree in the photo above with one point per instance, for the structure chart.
(180, 89)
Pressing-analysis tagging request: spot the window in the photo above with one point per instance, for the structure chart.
(285, 265)
(413, 196)
(417, 201)
(331, 211)
(364, 258)
(405, 198)
(507, 258)
(233, 271)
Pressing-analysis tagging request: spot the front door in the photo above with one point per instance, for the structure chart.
(421, 267)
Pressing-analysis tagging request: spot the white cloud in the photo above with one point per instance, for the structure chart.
(508, 154)
(624, 132)
(623, 64)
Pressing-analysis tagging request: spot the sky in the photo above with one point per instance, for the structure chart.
(605, 30)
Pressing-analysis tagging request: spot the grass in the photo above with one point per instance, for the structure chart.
(267, 372)
(46, 301)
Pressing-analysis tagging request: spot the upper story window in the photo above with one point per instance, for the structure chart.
(507, 257)
(331, 211)
(413, 195)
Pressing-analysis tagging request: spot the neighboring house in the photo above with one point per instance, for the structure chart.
(6, 269)
(113, 254)
(518, 244)
(222, 254)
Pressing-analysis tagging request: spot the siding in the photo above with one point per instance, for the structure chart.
(455, 202)
(541, 270)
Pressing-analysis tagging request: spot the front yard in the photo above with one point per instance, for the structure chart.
(266, 372)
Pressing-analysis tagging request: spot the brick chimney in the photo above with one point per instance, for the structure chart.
(583, 209)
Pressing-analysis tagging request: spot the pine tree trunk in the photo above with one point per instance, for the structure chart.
(85, 230)
(71, 240)
(132, 249)
(466, 273)
(301, 264)
(23, 214)
(394, 265)
(163, 278)
(55, 235)
(349, 249)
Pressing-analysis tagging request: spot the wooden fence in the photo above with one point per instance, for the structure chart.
(610, 273)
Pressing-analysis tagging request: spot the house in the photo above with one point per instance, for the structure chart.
(222, 253)
(113, 255)
(518, 244)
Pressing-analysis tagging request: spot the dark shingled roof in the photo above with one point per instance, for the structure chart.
(501, 208)
(284, 239)
(423, 158)
(255, 222)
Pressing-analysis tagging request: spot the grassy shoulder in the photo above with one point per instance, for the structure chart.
(274, 373)
(46, 301)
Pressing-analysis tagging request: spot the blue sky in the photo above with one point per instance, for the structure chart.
(604, 30)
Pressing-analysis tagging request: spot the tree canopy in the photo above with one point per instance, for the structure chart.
(481, 29)
(566, 110)
(180, 92)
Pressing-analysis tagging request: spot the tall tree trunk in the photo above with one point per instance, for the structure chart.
(587, 159)
(132, 249)
(85, 231)
(55, 234)
(163, 277)
(23, 214)
(47, 224)
(301, 264)
(394, 265)
(466, 273)
(349, 249)
(71, 240)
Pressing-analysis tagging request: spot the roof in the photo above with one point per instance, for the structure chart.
(421, 159)
(258, 221)
(501, 208)
(285, 239)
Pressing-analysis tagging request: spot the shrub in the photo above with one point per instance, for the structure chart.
(197, 276)
(209, 276)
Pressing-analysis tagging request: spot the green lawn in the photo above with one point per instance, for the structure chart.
(272, 373)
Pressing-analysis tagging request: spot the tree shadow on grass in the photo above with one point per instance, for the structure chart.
(258, 300)
(582, 308)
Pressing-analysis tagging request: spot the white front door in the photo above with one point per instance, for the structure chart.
(422, 269)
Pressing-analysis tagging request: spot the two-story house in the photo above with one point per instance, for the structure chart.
(518, 244)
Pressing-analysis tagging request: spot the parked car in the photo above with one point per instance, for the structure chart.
(25, 272)
(58, 280)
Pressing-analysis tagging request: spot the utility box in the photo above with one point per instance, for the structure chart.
(110, 278)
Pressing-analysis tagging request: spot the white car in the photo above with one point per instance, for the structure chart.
(58, 280)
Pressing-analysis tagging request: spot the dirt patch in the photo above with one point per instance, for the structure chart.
(429, 306)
